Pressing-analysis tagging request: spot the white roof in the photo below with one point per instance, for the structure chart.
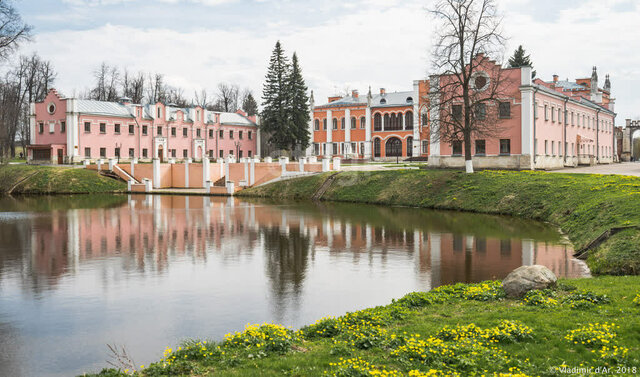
(103, 108)
(234, 119)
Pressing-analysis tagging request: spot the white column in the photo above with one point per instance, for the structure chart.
(99, 163)
(226, 172)
(367, 133)
(329, 150)
(336, 163)
(325, 164)
(133, 166)
(434, 139)
(347, 132)
(252, 173)
(206, 172)
(186, 172)
(156, 173)
(309, 150)
(246, 171)
(527, 113)
(302, 161)
(112, 162)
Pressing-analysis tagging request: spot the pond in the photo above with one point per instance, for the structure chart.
(145, 272)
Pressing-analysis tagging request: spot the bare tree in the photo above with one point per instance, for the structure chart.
(466, 93)
(107, 81)
(176, 97)
(202, 98)
(227, 97)
(156, 90)
(12, 30)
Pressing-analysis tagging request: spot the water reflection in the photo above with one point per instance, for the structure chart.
(147, 271)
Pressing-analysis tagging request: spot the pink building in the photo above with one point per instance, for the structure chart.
(541, 125)
(69, 130)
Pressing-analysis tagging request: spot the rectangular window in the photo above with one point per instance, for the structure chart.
(572, 121)
(546, 112)
(481, 111)
(144, 152)
(249, 154)
(335, 148)
(559, 115)
(456, 148)
(480, 147)
(221, 153)
(173, 131)
(553, 114)
(240, 135)
(144, 130)
(231, 152)
(230, 134)
(197, 132)
(131, 129)
(103, 152)
(87, 152)
(240, 154)
(184, 132)
(131, 153)
(316, 149)
(425, 147)
(546, 147)
(363, 123)
(210, 153)
(40, 127)
(173, 153)
(116, 128)
(159, 131)
(250, 135)
(184, 153)
(342, 123)
(456, 111)
(52, 127)
(63, 127)
(210, 134)
(353, 123)
(87, 126)
(553, 148)
(221, 134)
(504, 110)
(505, 146)
(324, 124)
(103, 128)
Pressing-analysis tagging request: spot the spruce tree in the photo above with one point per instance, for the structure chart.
(249, 105)
(298, 106)
(520, 59)
(276, 98)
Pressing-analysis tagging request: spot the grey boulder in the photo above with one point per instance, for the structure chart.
(526, 278)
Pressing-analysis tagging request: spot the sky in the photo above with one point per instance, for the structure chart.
(341, 45)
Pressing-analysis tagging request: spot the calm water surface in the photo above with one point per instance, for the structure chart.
(146, 272)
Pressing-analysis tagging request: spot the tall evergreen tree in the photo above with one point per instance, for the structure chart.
(521, 59)
(298, 106)
(275, 96)
(249, 105)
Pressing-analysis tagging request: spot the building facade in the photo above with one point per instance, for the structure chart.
(69, 130)
(538, 124)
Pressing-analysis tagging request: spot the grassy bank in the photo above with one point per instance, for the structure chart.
(456, 330)
(584, 206)
(26, 179)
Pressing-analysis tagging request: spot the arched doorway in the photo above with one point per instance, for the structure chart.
(161, 153)
(393, 147)
(635, 144)
(376, 147)
(409, 146)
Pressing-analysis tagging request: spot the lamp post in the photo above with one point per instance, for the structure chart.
(237, 144)
(119, 149)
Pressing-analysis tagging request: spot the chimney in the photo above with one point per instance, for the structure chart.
(382, 91)
(354, 93)
(125, 100)
(555, 78)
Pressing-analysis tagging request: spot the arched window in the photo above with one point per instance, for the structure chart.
(363, 122)
(324, 124)
(409, 146)
(394, 122)
(383, 101)
(409, 99)
(393, 147)
(377, 122)
(425, 117)
(353, 122)
(387, 125)
(376, 146)
(335, 123)
(317, 125)
(408, 120)
(342, 123)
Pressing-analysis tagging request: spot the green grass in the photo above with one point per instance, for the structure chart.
(535, 345)
(582, 205)
(55, 180)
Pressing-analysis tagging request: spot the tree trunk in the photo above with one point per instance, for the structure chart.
(468, 163)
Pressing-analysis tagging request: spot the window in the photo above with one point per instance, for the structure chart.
(184, 132)
(409, 146)
(456, 148)
(425, 147)
(546, 113)
(210, 153)
(173, 131)
(559, 115)
(553, 114)
(52, 127)
(553, 148)
(159, 113)
(116, 128)
(144, 130)
(41, 127)
(240, 154)
(425, 118)
(131, 129)
(144, 152)
(505, 146)
(240, 135)
(354, 123)
(87, 152)
(383, 101)
(231, 152)
(173, 153)
(546, 147)
(249, 154)
(63, 127)
(87, 126)
(230, 134)
(197, 114)
(480, 147)
(387, 122)
(210, 134)
(335, 148)
(221, 153)
(131, 152)
(324, 124)
(377, 122)
(481, 111)
(342, 123)
(408, 120)
(103, 128)
(456, 112)
(103, 152)
(363, 122)
(159, 130)
(572, 123)
(198, 132)
(221, 134)
(335, 123)
(250, 135)
(316, 125)
(504, 110)
(376, 147)
(185, 153)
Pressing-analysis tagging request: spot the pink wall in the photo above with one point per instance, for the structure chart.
(46, 118)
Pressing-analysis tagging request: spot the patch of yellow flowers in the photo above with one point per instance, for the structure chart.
(601, 337)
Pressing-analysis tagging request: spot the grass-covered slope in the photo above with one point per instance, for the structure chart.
(584, 206)
(25, 179)
(460, 330)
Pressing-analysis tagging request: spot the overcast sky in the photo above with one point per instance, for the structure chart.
(341, 44)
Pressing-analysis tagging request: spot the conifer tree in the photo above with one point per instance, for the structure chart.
(275, 96)
(298, 106)
(520, 59)
(249, 105)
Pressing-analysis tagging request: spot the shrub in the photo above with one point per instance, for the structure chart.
(544, 298)
(266, 337)
(585, 300)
